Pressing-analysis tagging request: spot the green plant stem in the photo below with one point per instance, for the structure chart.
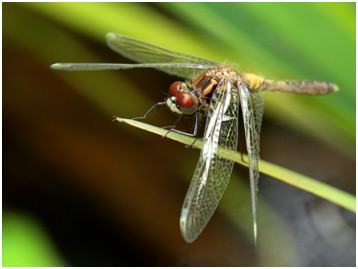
(303, 182)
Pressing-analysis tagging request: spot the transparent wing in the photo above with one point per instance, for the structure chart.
(143, 52)
(106, 66)
(213, 172)
(252, 106)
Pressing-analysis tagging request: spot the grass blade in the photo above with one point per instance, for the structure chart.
(303, 182)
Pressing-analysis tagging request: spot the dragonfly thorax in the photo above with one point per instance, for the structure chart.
(181, 100)
(194, 95)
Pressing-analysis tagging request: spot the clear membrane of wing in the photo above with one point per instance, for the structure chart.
(252, 106)
(142, 52)
(109, 66)
(213, 172)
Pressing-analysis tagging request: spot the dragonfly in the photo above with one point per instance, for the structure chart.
(214, 92)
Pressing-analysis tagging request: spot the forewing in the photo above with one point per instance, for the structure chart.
(112, 66)
(252, 106)
(213, 172)
(143, 52)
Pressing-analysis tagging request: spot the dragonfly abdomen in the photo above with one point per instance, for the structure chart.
(301, 87)
(253, 82)
(257, 83)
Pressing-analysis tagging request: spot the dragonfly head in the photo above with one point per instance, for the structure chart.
(180, 100)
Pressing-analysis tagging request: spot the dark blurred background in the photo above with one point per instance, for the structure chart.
(81, 190)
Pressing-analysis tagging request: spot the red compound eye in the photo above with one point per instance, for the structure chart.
(174, 88)
(185, 100)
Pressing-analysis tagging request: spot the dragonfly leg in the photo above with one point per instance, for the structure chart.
(150, 110)
(175, 124)
(185, 133)
(204, 113)
(192, 144)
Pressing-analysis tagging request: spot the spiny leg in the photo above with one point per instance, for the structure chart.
(192, 144)
(184, 133)
(196, 127)
(150, 110)
(175, 124)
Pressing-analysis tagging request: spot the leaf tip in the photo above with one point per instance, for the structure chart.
(118, 119)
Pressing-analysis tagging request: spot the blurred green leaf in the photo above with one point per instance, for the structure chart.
(25, 243)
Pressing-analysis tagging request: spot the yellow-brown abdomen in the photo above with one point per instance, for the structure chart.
(301, 87)
(253, 82)
(258, 83)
